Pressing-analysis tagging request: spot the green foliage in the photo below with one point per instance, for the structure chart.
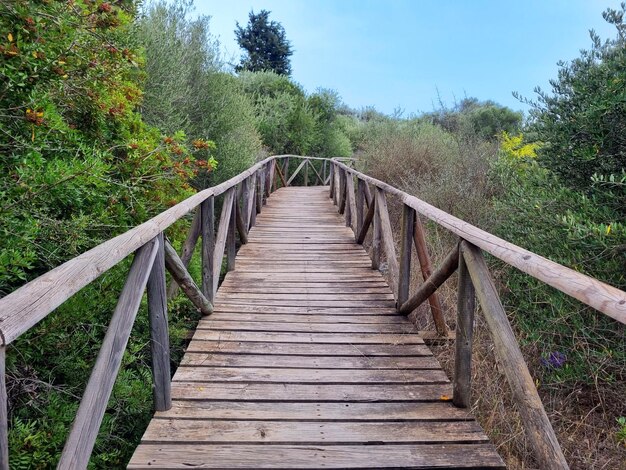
(77, 163)
(473, 118)
(537, 211)
(284, 118)
(77, 166)
(185, 88)
(582, 123)
(265, 44)
(330, 139)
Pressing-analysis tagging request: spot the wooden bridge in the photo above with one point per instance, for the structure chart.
(307, 359)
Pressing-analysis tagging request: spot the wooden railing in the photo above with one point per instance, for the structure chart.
(243, 198)
(363, 201)
(365, 208)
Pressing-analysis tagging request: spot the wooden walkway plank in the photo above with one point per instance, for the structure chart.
(306, 363)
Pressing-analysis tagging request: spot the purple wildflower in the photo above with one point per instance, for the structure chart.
(555, 360)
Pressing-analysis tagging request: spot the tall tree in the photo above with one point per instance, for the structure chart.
(265, 44)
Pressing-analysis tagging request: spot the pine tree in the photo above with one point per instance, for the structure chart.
(265, 44)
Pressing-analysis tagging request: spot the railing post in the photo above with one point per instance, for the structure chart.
(342, 191)
(536, 422)
(261, 193)
(406, 241)
(323, 172)
(419, 238)
(159, 331)
(187, 251)
(350, 205)
(4, 413)
(231, 248)
(207, 218)
(333, 183)
(376, 233)
(360, 202)
(306, 172)
(223, 230)
(466, 305)
(267, 181)
(245, 203)
(84, 430)
(252, 204)
(286, 170)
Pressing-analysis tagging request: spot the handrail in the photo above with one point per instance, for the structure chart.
(590, 291)
(244, 197)
(26, 306)
(474, 282)
(32, 302)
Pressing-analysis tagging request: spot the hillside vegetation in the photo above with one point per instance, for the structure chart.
(112, 112)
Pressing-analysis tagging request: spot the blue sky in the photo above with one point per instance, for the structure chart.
(401, 53)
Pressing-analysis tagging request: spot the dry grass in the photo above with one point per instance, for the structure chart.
(452, 175)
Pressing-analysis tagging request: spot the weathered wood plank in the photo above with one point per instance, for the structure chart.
(387, 238)
(308, 362)
(332, 338)
(536, 423)
(89, 416)
(175, 267)
(188, 248)
(372, 456)
(282, 432)
(310, 393)
(231, 247)
(300, 327)
(285, 411)
(447, 268)
(207, 221)
(309, 376)
(311, 318)
(466, 304)
(220, 239)
(307, 349)
(159, 330)
(297, 170)
(406, 239)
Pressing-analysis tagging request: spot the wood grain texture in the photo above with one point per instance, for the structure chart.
(93, 404)
(466, 304)
(306, 347)
(373, 456)
(207, 209)
(222, 234)
(159, 330)
(406, 238)
(351, 216)
(387, 239)
(175, 267)
(423, 256)
(29, 304)
(604, 298)
(430, 285)
(322, 411)
(189, 246)
(536, 423)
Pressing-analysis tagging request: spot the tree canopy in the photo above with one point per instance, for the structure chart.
(265, 44)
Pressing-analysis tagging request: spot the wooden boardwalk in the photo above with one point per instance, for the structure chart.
(306, 364)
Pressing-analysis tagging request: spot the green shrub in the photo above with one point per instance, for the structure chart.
(582, 123)
(536, 211)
